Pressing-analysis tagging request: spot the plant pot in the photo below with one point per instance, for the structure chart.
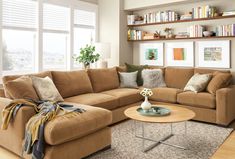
(146, 105)
(86, 66)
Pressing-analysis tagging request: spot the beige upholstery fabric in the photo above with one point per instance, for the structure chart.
(103, 79)
(198, 82)
(21, 88)
(165, 94)
(95, 99)
(225, 105)
(5, 79)
(219, 80)
(206, 71)
(62, 129)
(72, 83)
(203, 99)
(2, 94)
(80, 148)
(46, 89)
(178, 77)
(125, 96)
(12, 138)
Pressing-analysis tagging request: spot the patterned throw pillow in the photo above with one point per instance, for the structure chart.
(198, 82)
(46, 89)
(128, 79)
(153, 78)
(139, 68)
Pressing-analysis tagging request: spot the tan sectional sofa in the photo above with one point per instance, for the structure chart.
(97, 90)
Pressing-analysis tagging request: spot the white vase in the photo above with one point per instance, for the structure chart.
(146, 105)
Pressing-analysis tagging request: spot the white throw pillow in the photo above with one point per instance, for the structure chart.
(153, 78)
(46, 89)
(198, 82)
(128, 79)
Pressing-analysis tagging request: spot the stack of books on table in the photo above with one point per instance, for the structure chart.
(165, 16)
(135, 34)
(225, 30)
(196, 31)
(203, 12)
(150, 36)
(228, 13)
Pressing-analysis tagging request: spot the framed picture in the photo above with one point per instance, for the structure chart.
(151, 54)
(214, 54)
(180, 54)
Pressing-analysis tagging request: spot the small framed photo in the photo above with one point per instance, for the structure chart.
(180, 54)
(151, 54)
(214, 54)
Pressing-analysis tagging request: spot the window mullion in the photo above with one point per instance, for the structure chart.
(1, 42)
(71, 50)
(39, 56)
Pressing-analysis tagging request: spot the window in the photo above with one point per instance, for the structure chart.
(42, 35)
(84, 30)
(55, 36)
(19, 22)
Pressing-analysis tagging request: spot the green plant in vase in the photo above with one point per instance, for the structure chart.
(87, 56)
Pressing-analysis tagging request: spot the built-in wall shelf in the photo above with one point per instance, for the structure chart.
(183, 21)
(189, 38)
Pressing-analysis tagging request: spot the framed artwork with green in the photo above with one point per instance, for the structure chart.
(151, 54)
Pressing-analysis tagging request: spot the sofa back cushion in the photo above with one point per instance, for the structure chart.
(178, 77)
(206, 71)
(72, 83)
(103, 79)
(6, 79)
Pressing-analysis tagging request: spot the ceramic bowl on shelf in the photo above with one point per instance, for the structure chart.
(208, 33)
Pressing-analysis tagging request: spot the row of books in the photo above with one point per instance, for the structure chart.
(225, 30)
(135, 34)
(196, 31)
(203, 12)
(165, 16)
(228, 13)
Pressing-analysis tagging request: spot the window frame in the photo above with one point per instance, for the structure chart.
(72, 5)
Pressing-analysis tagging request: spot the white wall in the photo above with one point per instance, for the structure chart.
(113, 30)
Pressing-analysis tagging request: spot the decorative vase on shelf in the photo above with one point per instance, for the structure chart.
(146, 105)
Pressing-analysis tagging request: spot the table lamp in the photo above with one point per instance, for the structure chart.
(104, 50)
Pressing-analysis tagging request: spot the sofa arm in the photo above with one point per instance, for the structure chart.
(225, 105)
(22, 117)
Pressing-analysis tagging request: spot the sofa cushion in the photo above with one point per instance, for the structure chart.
(219, 80)
(206, 71)
(5, 79)
(46, 89)
(203, 99)
(71, 83)
(165, 94)
(125, 95)
(178, 77)
(128, 79)
(103, 79)
(21, 88)
(139, 68)
(64, 129)
(95, 99)
(153, 78)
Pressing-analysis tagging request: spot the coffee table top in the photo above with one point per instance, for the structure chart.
(178, 114)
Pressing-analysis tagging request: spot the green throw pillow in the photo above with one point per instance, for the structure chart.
(139, 68)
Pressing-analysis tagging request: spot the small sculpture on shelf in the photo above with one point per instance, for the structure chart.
(169, 32)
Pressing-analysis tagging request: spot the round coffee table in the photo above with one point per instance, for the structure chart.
(178, 114)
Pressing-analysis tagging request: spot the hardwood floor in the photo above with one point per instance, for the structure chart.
(226, 150)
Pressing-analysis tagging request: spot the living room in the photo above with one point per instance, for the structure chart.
(110, 79)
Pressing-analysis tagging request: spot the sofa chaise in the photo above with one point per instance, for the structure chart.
(98, 91)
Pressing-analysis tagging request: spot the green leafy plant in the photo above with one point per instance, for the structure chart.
(87, 56)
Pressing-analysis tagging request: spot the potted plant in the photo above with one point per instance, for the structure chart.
(87, 56)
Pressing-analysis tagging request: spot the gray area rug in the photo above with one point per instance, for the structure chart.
(201, 139)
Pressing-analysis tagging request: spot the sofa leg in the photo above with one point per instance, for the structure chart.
(104, 149)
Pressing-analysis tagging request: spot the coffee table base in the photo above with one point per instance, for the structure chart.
(158, 142)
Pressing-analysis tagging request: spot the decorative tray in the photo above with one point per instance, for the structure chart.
(154, 111)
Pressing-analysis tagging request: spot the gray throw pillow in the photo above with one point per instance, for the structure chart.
(128, 79)
(153, 78)
(198, 82)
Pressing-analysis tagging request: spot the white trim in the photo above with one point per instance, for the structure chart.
(71, 52)
(39, 54)
(19, 28)
(1, 49)
(84, 26)
(55, 31)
